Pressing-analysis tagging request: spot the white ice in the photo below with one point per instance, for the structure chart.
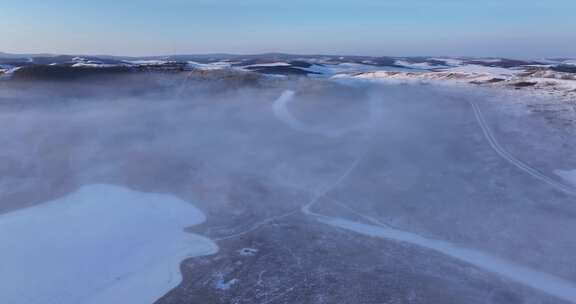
(100, 244)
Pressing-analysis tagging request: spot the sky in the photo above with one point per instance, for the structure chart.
(506, 28)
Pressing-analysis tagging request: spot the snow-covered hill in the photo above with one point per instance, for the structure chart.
(556, 77)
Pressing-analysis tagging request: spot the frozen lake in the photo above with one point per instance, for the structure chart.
(100, 244)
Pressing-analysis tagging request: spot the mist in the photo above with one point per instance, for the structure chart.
(318, 158)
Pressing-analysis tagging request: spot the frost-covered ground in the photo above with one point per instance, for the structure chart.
(314, 190)
(553, 84)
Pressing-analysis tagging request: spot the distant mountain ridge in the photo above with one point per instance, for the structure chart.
(228, 56)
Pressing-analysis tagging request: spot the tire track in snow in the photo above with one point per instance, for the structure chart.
(537, 280)
(307, 209)
(513, 160)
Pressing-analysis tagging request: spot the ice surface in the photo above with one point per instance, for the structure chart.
(100, 244)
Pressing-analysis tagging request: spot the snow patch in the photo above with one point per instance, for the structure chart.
(208, 66)
(148, 62)
(479, 69)
(349, 68)
(8, 72)
(272, 64)
(93, 65)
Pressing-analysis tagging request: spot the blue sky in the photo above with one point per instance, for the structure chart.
(511, 28)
